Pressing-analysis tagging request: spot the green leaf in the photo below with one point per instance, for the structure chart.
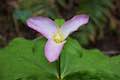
(59, 22)
(115, 64)
(86, 75)
(70, 57)
(75, 59)
(24, 60)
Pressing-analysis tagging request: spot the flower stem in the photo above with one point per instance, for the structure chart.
(58, 69)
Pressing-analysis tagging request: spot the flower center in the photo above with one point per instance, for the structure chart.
(58, 37)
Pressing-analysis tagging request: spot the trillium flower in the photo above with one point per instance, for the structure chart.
(56, 35)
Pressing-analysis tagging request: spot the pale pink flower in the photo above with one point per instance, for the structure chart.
(56, 35)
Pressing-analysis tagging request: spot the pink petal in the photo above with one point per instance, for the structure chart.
(43, 25)
(53, 50)
(73, 24)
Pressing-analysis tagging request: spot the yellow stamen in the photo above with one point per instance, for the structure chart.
(58, 37)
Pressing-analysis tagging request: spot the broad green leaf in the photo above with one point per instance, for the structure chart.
(90, 76)
(89, 60)
(70, 57)
(115, 64)
(24, 60)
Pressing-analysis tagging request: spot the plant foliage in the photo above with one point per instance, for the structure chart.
(24, 60)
